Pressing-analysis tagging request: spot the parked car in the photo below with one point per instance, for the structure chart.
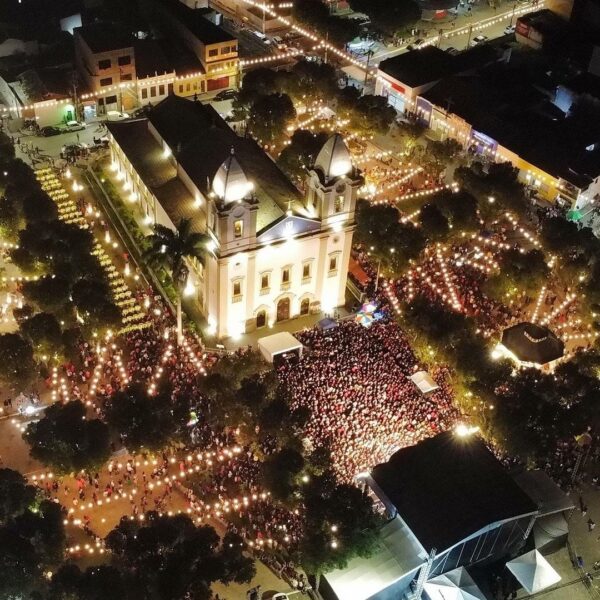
(74, 126)
(452, 51)
(477, 40)
(49, 130)
(280, 596)
(225, 95)
(510, 29)
(115, 115)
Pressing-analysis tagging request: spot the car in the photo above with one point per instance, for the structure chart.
(452, 51)
(510, 29)
(225, 95)
(74, 126)
(115, 115)
(280, 596)
(480, 39)
(49, 130)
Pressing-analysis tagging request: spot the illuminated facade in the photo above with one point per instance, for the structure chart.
(274, 253)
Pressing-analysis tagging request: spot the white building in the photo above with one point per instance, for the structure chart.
(275, 253)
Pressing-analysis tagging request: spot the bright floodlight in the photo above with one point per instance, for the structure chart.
(463, 430)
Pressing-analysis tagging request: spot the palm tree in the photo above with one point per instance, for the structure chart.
(169, 248)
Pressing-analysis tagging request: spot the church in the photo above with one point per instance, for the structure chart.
(274, 253)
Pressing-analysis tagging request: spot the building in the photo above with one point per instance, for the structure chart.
(403, 78)
(450, 504)
(258, 19)
(275, 253)
(215, 49)
(105, 60)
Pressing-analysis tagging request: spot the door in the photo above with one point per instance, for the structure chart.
(283, 309)
(261, 319)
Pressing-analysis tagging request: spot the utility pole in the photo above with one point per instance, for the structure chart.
(512, 16)
(469, 36)
(326, 45)
(369, 54)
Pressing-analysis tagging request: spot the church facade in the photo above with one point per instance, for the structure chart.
(273, 253)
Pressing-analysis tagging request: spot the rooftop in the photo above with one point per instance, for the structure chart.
(430, 64)
(447, 488)
(150, 60)
(104, 37)
(159, 175)
(194, 20)
(496, 103)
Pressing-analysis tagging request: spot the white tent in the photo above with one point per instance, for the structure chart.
(533, 571)
(454, 585)
(278, 343)
(424, 381)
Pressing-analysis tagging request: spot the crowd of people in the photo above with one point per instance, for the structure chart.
(355, 381)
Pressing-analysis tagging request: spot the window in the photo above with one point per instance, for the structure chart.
(304, 306)
(188, 87)
(238, 228)
(195, 85)
(126, 77)
(237, 288)
(234, 48)
(264, 281)
(106, 81)
(339, 204)
(333, 261)
(104, 64)
(170, 89)
(225, 50)
(144, 93)
(181, 89)
(124, 60)
(285, 275)
(161, 90)
(111, 100)
(213, 52)
(153, 91)
(306, 271)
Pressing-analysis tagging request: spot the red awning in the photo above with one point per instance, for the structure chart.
(358, 272)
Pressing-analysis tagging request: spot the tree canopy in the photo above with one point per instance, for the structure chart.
(66, 440)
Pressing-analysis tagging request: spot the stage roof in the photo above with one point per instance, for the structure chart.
(447, 488)
(424, 381)
(539, 486)
(397, 555)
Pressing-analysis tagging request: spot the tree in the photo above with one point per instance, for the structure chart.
(19, 567)
(280, 471)
(144, 421)
(433, 222)
(38, 206)
(95, 583)
(389, 17)
(312, 80)
(300, 154)
(444, 151)
(411, 131)
(372, 114)
(172, 558)
(270, 116)
(48, 293)
(522, 270)
(10, 219)
(66, 440)
(460, 208)
(340, 524)
(170, 248)
(16, 496)
(95, 307)
(44, 332)
(17, 366)
(315, 14)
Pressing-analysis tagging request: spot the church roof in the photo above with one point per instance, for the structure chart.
(334, 158)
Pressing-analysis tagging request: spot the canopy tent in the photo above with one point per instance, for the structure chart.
(550, 533)
(532, 343)
(454, 585)
(327, 323)
(533, 572)
(424, 381)
(277, 344)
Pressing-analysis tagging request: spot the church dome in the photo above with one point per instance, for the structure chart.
(334, 158)
(230, 182)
